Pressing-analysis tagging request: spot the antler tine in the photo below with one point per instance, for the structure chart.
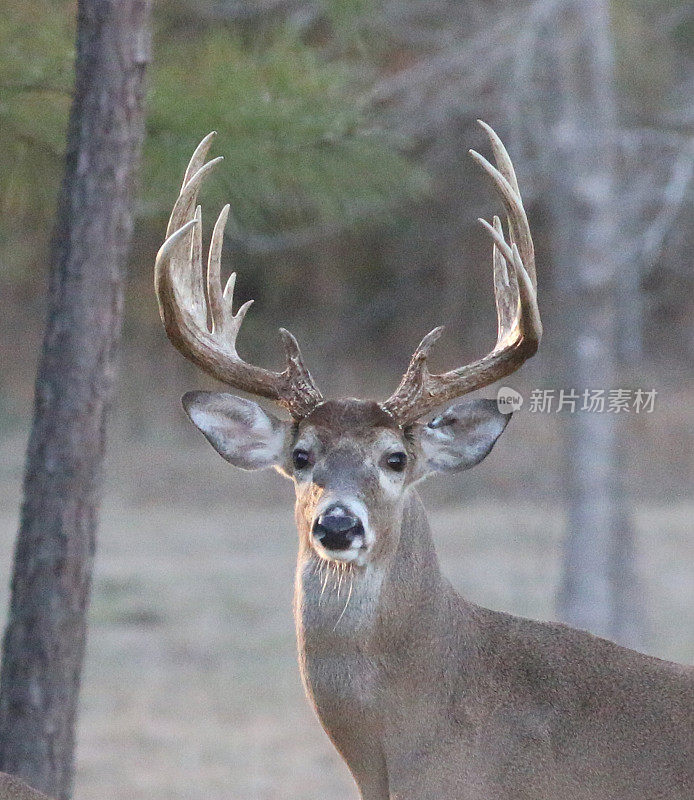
(501, 156)
(188, 197)
(198, 157)
(193, 276)
(519, 325)
(218, 303)
(519, 229)
(181, 296)
(505, 285)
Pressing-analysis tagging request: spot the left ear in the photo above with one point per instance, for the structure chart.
(461, 436)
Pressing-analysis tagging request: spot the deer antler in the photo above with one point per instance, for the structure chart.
(515, 290)
(178, 281)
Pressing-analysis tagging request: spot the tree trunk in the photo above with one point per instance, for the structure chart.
(598, 592)
(45, 636)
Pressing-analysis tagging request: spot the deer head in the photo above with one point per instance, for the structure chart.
(352, 461)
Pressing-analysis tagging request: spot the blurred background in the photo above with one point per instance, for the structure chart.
(345, 125)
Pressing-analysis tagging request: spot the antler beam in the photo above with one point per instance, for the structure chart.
(178, 280)
(515, 290)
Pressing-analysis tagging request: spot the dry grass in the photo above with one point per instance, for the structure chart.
(191, 688)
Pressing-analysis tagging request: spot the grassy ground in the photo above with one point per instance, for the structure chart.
(191, 687)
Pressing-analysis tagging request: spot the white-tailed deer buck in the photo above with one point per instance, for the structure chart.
(425, 695)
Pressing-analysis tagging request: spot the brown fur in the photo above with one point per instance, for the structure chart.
(429, 697)
(356, 417)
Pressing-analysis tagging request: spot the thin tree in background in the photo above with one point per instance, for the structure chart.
(599, 586)
(45, 637)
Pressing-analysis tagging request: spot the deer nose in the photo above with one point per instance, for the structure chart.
(336, 529)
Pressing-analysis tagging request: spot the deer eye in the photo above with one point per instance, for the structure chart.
(301, 459)
(396, 461)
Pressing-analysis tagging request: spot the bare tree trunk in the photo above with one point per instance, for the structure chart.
(45, 636)
(599, 583)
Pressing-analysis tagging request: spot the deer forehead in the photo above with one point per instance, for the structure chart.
(350, 415)
(349, 425)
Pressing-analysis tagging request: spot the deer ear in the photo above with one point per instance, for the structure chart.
(239, 430)
(461, 436)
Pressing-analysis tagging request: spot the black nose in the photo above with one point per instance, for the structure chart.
(337, 530)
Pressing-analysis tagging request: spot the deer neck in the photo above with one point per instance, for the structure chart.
(370, 639)
(382, 609)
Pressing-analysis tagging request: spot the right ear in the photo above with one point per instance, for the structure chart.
(239, 430)
(462, 436)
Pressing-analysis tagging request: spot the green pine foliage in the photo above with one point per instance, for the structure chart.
(300, 147)
(36, 67)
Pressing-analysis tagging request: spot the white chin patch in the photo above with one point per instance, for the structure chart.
(354, 555)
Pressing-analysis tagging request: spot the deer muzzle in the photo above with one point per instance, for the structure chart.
(336, 529)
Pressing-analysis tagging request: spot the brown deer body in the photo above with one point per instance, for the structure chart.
(429, 697)
(425, 696)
